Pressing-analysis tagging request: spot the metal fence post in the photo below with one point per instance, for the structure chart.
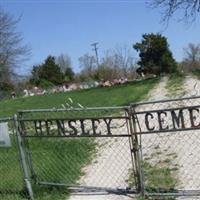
(28, 152)
(130, 131)
(24, 166)
(137, 153)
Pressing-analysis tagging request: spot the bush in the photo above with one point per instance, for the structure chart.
(45, 84)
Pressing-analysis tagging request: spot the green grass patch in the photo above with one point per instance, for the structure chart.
(114, 96)
(10, 171)
(61, 160)
(196, 73)
(54, 160)
(175, 84)
(158, 178)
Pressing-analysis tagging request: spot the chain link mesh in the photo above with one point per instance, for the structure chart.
(11, 177)
(100, 160)
(170, 160)
(92, 149)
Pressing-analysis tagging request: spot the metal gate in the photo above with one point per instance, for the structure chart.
(149, 148)
(13, 170)
(84, 150)
(169, 137)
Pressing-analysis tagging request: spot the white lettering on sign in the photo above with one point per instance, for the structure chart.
(4, 135)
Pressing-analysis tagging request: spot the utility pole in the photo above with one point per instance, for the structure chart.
(96, 52)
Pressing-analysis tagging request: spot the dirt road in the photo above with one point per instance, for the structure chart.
(111, 166)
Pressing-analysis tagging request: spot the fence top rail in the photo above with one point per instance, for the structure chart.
(6, 119)
(166, 109)
(74, 118)
(100, 108)
(73, 109)
(164, 100)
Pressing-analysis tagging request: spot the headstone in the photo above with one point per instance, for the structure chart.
(4, 135)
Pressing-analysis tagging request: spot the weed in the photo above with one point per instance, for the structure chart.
(175, 84)
(158, 178)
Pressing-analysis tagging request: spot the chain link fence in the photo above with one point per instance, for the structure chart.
(149, 148)
(169, 138)
(11, 176)
(83, 149)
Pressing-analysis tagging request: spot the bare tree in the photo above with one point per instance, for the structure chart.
(88, 64)
(123, 58)
(192, 52)
(190, 9)
(120, 60)
(64, 62)
(116, 63)
(191, 59)
(12, 52)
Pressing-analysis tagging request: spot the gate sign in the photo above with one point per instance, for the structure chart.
(4, 135)
(169, 120)
(97, 127)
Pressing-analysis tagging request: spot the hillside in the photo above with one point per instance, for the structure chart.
(113, 96)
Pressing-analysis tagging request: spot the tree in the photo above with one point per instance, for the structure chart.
(69, 74)
(192, 52)
(64, 62)
(116, 63)
(154, 53)
(48, 71)
(12, 51)
(108, 69)
(123, 59)
(189, 8)
(51, 72)
(35, 78)
(88, 64)
(191, 59)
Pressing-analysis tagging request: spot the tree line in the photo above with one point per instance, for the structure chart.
(155, 56)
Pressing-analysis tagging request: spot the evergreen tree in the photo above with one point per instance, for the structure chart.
(155, 55)
(48, 71)
(51, 72)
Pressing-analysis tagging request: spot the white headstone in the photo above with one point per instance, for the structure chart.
(4, 135)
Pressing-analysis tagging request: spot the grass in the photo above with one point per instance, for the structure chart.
(196, 73)
(54, 160)
(113, 96)
(159, 174)
(59, 160)
(10, 171)
(175, 84)
(158, 178)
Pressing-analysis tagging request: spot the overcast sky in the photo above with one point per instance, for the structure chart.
(66, 26)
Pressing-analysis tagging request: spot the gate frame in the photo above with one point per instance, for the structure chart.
(23, 161)
(22, 158)
(177, 193)
(130, 136)
(134, 144)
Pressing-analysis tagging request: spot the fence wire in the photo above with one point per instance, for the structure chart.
(11, 177)
(143, 148)
(94, 157)
(169, 156)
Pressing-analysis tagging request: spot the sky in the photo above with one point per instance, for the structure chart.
(52, 27)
